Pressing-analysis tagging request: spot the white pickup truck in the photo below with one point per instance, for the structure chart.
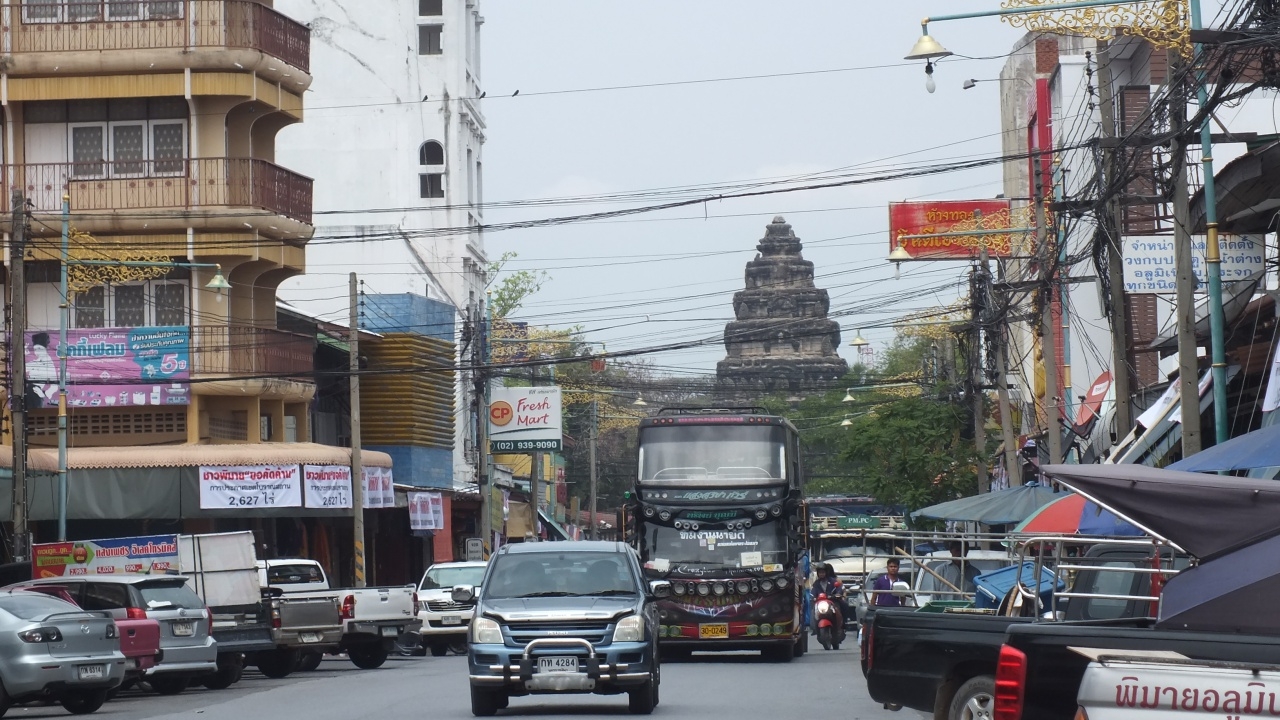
(1133, 684)
(374, 619)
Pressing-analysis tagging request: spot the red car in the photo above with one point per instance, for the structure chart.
(139, 636)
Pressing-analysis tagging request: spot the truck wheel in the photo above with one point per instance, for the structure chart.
(277, 663)
(439, 649)
(166, 685)
(230, 668)
(309, 661)
(84, 702)
(975, 700)
(642, 700)
(369, 657)
(486, 702)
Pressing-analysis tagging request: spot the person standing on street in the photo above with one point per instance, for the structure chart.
(882, 588)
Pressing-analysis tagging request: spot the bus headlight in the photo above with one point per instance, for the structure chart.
(486, 632)
(743, 587)
(629, 629)
(678, 588)
(766, 585)
(665, 515)
(761, 514)
(718, 588)
(704, 589)
(776, 511)
(648, 511)
(782, 583)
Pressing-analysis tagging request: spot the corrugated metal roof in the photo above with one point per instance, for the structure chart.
(46, 459)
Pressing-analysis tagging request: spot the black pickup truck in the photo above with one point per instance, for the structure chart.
(945, 663)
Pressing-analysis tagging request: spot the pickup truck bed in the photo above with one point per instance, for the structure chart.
(1123, 688)
(1053, 672)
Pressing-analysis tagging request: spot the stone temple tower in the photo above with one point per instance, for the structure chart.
(781, 339)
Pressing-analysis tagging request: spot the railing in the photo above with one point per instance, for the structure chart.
(246, 351)
(153, 24)
(174, 184)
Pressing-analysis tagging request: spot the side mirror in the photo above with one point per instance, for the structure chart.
(901, 587)
(463, 594)
(660, 589)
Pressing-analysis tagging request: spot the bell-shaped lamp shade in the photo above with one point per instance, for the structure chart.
(218, 284)
(846, 422)
(639, 400)
(858, 341)
(926, 48)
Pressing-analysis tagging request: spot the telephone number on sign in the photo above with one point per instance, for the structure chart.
(520, 445)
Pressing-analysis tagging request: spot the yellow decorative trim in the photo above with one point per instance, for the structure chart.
(1164, 23)
(84, 246)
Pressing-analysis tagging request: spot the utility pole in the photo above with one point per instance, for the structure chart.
(18, 369)
(64, 319)
(1013, 467)
(1188, 364)
(1114, 223)
(535, 474)
(357, 471)
(479, 374)
(1053, 427)
(591, 447)
(977, 292)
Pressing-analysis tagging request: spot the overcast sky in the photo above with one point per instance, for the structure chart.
(849, 102)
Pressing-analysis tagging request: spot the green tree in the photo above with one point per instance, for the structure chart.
(515, 288)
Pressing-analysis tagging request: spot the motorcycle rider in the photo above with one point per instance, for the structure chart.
(828, 584)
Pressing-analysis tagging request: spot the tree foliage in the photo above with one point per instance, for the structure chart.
(516, 287)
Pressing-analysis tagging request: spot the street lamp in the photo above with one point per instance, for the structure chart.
(897, 257)
(926, 48)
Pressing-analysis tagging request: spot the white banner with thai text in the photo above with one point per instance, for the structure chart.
(244, 487)
(1149, 261)
(379, 491)
(426, 511)
(326, 486)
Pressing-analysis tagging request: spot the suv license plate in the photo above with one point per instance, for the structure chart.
(558, 664)
(92, 672)
(184, 629)
(309, 637)
(390, 632)
(451, 620)
(713, 631)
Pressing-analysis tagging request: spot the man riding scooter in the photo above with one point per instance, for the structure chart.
(828, 584)
(829, 609)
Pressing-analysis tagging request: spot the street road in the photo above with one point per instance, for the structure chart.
(704, 687)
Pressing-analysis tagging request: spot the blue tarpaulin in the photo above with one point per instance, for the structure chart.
(1258, 449)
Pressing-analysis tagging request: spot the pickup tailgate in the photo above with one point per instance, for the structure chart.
(383, 603)
(139, 638)
(1142, 689)
(908, 656)
(309, 612)
(1054, 671)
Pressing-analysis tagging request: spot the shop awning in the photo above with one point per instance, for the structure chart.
(553, 527)
(1248, 192)
(175, 456)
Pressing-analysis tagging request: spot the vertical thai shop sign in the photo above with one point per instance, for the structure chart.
(112, 367)
(525, 419)
(147, 555)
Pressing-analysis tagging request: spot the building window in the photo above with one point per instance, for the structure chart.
(162, 302)
(91, 308)
(431, 185)
(126, 137)
(429, 39)
(430, 8)
(57, 11)
(431, 153)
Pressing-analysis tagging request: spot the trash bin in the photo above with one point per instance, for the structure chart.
(994, 586)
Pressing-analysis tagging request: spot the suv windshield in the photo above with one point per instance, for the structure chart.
(447, 577)
(179, 596)
(560, 574)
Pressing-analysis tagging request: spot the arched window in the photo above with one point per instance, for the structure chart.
(431, 153)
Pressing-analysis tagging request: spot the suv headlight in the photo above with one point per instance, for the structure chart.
(486, 632)
(630, 629)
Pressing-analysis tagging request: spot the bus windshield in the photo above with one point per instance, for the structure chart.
(718, 452)
(752, 548)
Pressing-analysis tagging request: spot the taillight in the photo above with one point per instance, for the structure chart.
(275, 618)
(135, 613)
(1011, 678)
(349, 607)
(415, 603)
(210, 614)
(41, 635)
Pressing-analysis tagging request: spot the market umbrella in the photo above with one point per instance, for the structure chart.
(1258, 449)
(1233, 593)
(1074, 514)
(1206, 515)
(1003, 507)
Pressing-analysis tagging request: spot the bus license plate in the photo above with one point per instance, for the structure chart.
(713, 631)
(558, 664)
(92, 672)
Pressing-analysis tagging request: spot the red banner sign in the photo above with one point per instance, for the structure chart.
(937, 217)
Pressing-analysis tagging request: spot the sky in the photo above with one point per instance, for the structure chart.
(842, 98)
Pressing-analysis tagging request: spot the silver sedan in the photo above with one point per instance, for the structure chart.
(51, 650)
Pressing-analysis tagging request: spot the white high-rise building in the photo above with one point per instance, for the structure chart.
(393, 139)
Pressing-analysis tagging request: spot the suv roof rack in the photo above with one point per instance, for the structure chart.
(681, 410)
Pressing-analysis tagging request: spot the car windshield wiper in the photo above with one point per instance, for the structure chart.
(609, 593)
(546, 593)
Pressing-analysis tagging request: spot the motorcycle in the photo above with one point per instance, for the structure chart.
(830, 623)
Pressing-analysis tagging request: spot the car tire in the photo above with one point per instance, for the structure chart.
(277, 663)
(439, 649)
(228, 674)
(83, 702)
(369, 657)
(167, 685)
(5, 701)
(309, 661)
(974, 700)
(486, 702)
(642, 700)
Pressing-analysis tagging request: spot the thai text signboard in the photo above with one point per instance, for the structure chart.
(152, 554)
(112, 367)
(1149, 261)
(939, 217)
(525, 419)
(326, 486)
(250, 486)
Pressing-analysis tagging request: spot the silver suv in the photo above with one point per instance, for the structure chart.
(185, 623)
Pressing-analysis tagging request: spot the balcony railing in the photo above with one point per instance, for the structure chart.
(175, 184)
(156, 24)
(246, 351)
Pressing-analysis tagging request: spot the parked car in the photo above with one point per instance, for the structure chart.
(374, 619)
(445, 622)
(139, 637)
(305, 625)
(186, 625)
(564, 618)
(51, 650)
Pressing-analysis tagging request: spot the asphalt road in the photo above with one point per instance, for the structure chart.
(711, 685)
